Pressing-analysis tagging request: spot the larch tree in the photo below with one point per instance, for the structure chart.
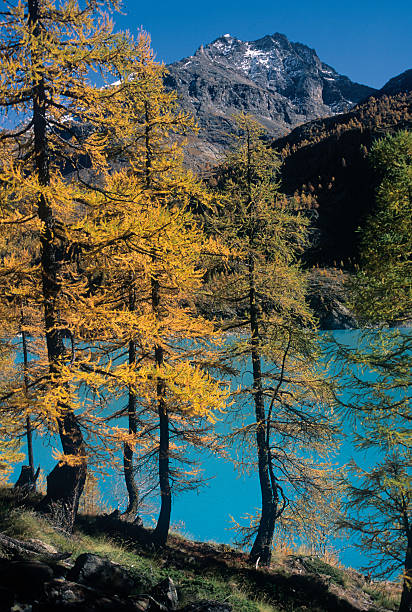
(158, 161)
(377, 372)
(379, 508)
(154, 153)
(19, 308)
(376, 376)
(48, 52)
(383, 288)
(145, 247)
(134, 239)
(264, 288)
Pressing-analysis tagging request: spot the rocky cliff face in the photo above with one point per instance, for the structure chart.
(281, 83)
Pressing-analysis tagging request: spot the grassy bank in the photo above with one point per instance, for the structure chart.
(204, 570)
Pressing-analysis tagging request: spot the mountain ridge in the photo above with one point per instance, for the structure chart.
(401, 83)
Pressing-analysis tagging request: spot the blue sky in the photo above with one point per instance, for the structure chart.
(369, 41)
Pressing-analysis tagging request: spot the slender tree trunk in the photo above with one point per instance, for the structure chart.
(27, 478)
(163, 523)
(262, 547)
(131, 486)
(148, 146)
(406, 598)
(29, 431)
(29, 435)
(65, 483)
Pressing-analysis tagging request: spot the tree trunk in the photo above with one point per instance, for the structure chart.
(262, 547)
(26, 482)
(163, 523)
(131, 486)
(65, 483)
(406, 598)
(29, 432)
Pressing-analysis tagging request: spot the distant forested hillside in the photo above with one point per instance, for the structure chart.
(328, 159)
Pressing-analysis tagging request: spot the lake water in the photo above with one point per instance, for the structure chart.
(205, 514)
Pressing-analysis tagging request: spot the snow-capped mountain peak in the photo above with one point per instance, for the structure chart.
(282, 83)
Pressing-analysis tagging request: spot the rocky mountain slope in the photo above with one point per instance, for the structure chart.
(281, 83)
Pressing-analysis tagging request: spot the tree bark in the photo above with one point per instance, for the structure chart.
(262, 547)
(65, 483)
(406, 598)
(27, 478)
(26, 482)
(163, 523)
(131, 486)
